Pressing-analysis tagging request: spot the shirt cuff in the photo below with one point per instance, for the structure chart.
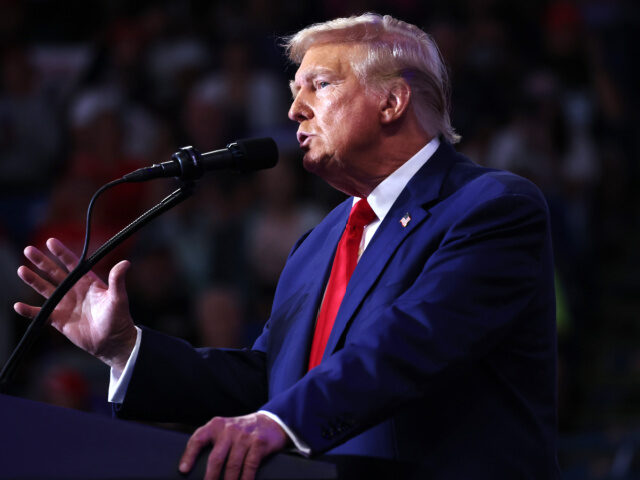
(300, 445)
(119, 381)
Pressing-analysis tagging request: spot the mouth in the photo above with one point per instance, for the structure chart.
(304, 139)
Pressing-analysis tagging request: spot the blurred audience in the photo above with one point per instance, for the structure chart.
(279, 219)
(220, 318)
(545, 89)
(26, 166)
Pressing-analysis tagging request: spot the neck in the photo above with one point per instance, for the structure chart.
(397, 148)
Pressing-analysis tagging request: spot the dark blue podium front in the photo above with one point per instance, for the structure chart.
(40, 441)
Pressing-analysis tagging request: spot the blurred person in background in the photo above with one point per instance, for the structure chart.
(26, 166)
(275, 224)
(220, 318)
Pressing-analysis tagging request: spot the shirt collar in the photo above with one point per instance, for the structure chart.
(385, 194)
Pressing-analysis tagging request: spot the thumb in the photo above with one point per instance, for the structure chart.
(117, 277)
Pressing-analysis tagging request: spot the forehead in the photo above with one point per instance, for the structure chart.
(335, 58)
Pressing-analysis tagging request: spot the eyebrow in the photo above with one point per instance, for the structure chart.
(293, 87)
(308, 77)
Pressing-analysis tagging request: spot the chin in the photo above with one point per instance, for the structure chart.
(330, 173)
(312, 164)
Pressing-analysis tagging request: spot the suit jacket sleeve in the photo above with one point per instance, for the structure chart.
(175, 382)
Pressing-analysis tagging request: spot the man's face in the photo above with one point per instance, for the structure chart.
(339, 119)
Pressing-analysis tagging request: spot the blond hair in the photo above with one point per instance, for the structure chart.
(393, 49)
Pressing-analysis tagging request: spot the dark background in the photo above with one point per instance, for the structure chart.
(92, 90)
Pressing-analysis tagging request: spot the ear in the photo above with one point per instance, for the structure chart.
(396, 101)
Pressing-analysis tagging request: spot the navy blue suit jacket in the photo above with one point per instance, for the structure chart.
(443, 352)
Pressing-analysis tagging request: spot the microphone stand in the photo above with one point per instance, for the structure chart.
(40, 321)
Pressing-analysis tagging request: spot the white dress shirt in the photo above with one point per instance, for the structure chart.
(381, 199)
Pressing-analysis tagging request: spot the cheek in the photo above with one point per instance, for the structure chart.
(333, 111)
(359, 123)
(346, 122)
(340, 114)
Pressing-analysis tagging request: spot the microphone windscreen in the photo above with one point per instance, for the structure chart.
(257, 154)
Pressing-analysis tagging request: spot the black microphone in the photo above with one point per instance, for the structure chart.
(189, 164)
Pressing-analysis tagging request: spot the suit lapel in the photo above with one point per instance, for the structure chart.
(307, 298)
(419, 194)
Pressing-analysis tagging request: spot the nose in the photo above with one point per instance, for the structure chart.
(300, 109)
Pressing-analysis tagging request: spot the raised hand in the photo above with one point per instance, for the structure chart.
(93, 315)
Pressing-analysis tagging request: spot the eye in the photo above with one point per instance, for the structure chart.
(321, 84)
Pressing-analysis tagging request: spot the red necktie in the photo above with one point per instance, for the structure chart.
(344, 263)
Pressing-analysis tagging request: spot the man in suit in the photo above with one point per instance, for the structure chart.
(424, 333)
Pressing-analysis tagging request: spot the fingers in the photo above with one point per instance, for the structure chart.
(117, 277)
(26, 310)
(197, 442)
(228, 453)
(45, 264)
(212, 432)
(44, 286)
(35, 281)
(235, 460)
(66, 256)
(252, 462)
(217, 458)
(240, 444)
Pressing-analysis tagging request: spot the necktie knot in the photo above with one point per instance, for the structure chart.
(361, 214)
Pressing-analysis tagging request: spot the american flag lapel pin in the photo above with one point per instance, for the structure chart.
(404, 221)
